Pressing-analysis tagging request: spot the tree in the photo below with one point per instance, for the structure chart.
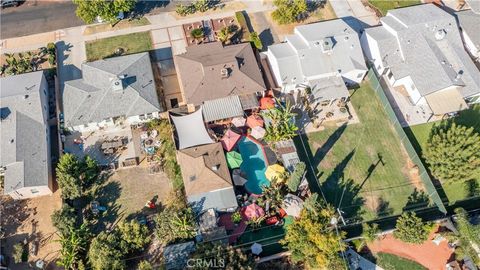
(453, 152)
(282, 123)
(74, 243)
(289, 11)
(225, 33)
(197, 33)
(145, 265)
(296, 177)
(468, 235)
(255, 39)
(105, 253)
(411, 229)
(75, 177)
(64, 219)
(369, 234)
(313, 240)
(174, 224)
(233, 259)
(201, 5)
(18, 252)
(134, 236)
(89, 10)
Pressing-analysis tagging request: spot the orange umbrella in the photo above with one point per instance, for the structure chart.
(254, 121)
(267, 103)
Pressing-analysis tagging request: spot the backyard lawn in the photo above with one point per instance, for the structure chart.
(386, 5)
(107, 47)
(362, 168)
(419, 134)
(393, 262)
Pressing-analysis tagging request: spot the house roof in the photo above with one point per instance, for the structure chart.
(446, 101)
(469, 22)
(474, 5)
(23, 131)
(190, 130)
(176, 256)
(96, 97)
(304, 55)
(424, 43)
(199, 70)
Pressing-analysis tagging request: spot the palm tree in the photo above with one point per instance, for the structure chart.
(369, 234)
(73, 243)
(282, 123)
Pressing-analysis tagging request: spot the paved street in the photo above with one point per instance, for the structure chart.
(37, 17)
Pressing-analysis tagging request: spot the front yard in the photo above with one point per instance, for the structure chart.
(118, 45)
(362, 168)
(419, 134)
(385, 5)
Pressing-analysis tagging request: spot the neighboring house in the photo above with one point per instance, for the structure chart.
(324, 56)
(469, 23)
(474, 5)
(114, 91)
(419, 51)
(206, 178)
(25, 161)
(224, 80)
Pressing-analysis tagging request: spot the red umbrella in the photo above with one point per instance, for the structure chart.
(254, 121)
(267, 103)
(253, 211)
(230, 139)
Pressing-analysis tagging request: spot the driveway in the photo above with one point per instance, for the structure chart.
(261, 25)
(358, 15)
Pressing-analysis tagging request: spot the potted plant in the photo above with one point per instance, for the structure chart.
(236, 217)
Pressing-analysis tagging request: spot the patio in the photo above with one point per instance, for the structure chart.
(112, 146)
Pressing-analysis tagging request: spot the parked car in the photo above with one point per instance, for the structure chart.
(9, 3)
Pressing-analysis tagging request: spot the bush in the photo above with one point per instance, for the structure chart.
(197, 33)
(18, 252)
(242, 21)
(64, 219)
(289, 11)
(236, 217)
(255, 39)
(175, 225)
(145, 265)
(296, 177)
(411, 229)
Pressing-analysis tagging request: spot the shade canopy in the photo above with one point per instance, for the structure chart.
(230, 139)
(253, 211)
(239, 121)
(292, 205)
(254, 121)
(274, 171)
(190, 130)
(267, 103)
(256, 248)
(258, 132)
(234, 159)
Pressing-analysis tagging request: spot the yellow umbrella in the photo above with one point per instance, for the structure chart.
(275, 171)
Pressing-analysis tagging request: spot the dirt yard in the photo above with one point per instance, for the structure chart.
(30, 219)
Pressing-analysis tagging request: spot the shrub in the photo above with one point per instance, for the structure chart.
(289, 11)
(296, 177)
(18, 252)
(411, 229)
(255, 39)
(242, 21)
(236, 217)
(64, 219)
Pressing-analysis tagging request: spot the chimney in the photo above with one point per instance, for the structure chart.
(459, 75)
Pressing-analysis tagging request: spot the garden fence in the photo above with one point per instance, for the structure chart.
(424, 176)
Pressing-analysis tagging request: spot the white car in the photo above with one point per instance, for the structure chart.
(120, 16)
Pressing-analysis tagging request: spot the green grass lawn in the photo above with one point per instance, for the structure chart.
(131, 43)
(419, 134)
(392, 262)
(386, 5)
(348, 167)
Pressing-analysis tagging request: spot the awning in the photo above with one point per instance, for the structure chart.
(222, 108)
(328, 88)
(446, 101)
(249, 101)
(190, 130)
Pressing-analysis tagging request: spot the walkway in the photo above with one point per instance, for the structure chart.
(360, 15)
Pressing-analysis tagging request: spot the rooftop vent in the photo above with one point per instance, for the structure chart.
(459, 75)
(327, 44)
(215, 167)
(4, 113)
(224, 72)
(25, 97)
(440, 34)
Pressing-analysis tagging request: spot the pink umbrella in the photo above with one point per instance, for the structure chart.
(253, 211)
(254, 121)
(230, 139)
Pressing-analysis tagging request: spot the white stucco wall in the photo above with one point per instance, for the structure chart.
(354, 76)
(108, 123)
(413, 92)
(30, 192)
(372, 52)
(275, 69)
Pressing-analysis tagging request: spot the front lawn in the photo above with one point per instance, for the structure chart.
(385, 5)
(108, 47)
(419, 134)
(348, 161)
(392, 262)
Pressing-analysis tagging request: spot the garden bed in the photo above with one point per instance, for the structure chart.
(393, 262)
(385, 5)
(109, 47)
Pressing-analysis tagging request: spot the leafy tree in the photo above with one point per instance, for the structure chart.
(255, 39)
(369, 234)
(313, 240)
(289, 11)
(411, 229)
(145, 265)
(75, 177)
(273, 196)
(296, 177)
(134, 235)
(174, 224)
(282, 123)
(233, 258)
(74, 243)
(88, 10)
(105, 253)
(64, 219)
(201, 5)
(18, 252)
(468, 235)
(453, 152)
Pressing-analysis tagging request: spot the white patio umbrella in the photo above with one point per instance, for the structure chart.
(292, 205)
(256, 248)
(239, 121)
(258, 132)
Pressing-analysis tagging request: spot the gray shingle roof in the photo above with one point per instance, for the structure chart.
(301, 57)
(416, 51)
(93, 98)
(24, 150)
(469, 22)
